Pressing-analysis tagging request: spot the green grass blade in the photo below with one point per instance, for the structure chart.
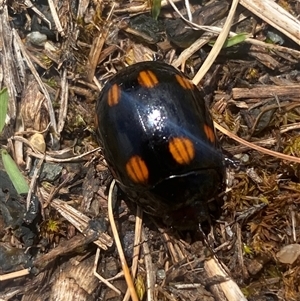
(232, 41)
(155, 8)
(14, 173)
(3, 107)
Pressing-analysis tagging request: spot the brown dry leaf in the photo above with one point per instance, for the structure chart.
(38, 142)
(33, 108)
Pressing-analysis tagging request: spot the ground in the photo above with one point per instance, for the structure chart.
(55, 58)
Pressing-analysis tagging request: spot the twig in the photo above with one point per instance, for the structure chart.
(14, 275)
(81, 223)
(103, 280)
(265, 91)
(141, 8)
(228, 286)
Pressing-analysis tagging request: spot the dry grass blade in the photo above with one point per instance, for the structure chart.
(276, 16)
(38, 79)
(33, 183)
(188, 52)
(136, 248)
(211, 29)
(63, 102)
(256, 147)
(29, 4)
(185, 54)
(97, 47)
(9, 73)
(125, 268)
(51, 159)
(82, 6)
(274, 47)
(149, 268)
(56, 18)
(218, 45)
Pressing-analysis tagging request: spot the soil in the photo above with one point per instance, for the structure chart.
(56, 240)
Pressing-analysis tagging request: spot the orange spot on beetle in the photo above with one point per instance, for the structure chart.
(184, 82)
(210, 134)
(137, 170)
(182, 150)
(114, 94)
(147, 79)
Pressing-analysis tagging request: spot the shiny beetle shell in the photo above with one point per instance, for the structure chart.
(159, 141)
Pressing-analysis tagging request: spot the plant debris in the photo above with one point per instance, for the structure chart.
(56, 242)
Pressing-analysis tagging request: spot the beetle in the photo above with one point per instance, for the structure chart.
(159, 141)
